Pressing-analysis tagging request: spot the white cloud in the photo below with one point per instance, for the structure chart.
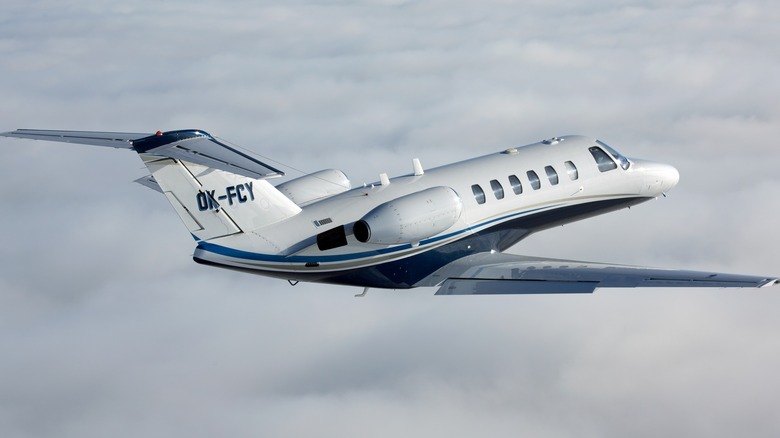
(109, 328)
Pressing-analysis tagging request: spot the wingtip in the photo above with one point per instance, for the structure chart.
(10, 133)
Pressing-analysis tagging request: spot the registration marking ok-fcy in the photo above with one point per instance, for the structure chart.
(240, 193)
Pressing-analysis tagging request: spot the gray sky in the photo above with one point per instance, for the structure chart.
(109, 329)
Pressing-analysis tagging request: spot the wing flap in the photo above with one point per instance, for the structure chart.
(510, 274)
(481, 286)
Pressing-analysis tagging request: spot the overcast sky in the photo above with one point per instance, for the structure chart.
(108, 328)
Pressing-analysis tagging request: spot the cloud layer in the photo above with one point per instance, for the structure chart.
(109, 328)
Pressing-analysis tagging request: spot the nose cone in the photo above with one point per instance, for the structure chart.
(669, 177)
(660, 178)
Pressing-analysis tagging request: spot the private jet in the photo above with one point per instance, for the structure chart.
(444, 227)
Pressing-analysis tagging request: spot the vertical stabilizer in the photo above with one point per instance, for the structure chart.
(214, 203)
(216, 189)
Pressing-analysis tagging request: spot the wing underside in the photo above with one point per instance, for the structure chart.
(511, 274)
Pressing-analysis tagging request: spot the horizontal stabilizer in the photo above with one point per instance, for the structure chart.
(193, 146)
(122, 140)
(150, 182)
(201, 148)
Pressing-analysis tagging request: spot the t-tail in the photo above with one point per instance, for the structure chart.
(215, 189)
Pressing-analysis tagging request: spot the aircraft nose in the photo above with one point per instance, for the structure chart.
(669, 177)
(656, 178)
(662, 177)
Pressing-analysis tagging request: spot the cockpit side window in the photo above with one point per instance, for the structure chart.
(602, 159)
(622, 160)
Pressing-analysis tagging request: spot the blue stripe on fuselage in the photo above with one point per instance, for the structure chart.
(408, 271)
(248, 255)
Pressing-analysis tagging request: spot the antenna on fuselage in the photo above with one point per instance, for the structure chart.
(418, 169)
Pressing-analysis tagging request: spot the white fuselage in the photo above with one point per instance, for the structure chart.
(560, 182)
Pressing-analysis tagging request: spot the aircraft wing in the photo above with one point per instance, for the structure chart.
(188, 145)
(513, 274)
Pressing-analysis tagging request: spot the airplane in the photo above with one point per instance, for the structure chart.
(445, 227)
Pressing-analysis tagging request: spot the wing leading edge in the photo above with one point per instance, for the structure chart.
(189, 145)
(510, 274)
(121, 140)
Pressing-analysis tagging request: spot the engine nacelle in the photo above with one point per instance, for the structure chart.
(410, 218)
(315, 187)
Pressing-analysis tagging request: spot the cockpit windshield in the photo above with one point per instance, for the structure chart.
(623, 161)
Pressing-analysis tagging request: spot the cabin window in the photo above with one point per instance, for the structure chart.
(517, 186)
(533, 178)
(602, 159)
(498, 190)
(571, 170)
(552, 175)
(479, 194)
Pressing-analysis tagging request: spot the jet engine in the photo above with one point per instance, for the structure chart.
(315, 187)
(410, 218)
